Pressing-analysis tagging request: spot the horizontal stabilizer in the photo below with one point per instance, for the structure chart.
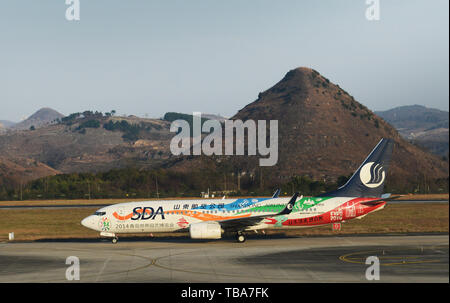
(378, 201)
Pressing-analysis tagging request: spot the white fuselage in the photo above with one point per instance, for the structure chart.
(178, 215)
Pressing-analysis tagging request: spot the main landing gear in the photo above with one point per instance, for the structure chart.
(114, 240)
(240, 237)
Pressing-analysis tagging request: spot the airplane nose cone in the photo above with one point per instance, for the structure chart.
(84, 222)
(88, 222)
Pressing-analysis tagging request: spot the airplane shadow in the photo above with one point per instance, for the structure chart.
(225, 238)
(163, 239)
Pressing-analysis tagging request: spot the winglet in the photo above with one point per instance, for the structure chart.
(290, 205)
(276, 193)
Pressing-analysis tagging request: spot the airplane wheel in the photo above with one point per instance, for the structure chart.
(240, 238)
(114, 240)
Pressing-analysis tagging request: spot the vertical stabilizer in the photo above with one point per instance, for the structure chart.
(369, 178)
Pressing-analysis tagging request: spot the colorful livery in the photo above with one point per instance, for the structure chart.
(209, 219)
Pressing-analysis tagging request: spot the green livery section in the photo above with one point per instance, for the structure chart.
(302, 204)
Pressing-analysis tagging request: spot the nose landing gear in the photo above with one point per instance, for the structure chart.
(113, 236)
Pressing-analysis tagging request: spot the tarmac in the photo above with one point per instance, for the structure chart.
(403, 258)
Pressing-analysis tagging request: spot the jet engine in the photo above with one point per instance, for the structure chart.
(205, 230)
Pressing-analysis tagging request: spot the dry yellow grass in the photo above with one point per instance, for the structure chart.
(33, 224)
(395, 218)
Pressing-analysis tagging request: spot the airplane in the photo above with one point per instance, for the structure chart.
(210, 219)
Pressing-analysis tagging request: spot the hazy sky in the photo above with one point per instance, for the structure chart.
(149, 57)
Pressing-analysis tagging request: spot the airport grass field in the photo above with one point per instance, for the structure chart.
(64, 223)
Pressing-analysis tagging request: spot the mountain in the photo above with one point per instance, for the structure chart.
(415, 117)
(323, 133)
(424, 126)
(42, 117)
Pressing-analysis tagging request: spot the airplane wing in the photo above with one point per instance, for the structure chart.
(378, 201)
(240, 224)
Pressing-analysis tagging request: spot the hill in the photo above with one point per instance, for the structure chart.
(14, 172)
(424, 126)
(324, 133)
(415, 117)
(91, 142)
(42, 117)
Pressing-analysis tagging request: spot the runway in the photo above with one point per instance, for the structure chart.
(281, 260)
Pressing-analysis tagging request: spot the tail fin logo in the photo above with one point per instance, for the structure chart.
(372, 175)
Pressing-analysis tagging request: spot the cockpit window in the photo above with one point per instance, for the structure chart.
(99, 213)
